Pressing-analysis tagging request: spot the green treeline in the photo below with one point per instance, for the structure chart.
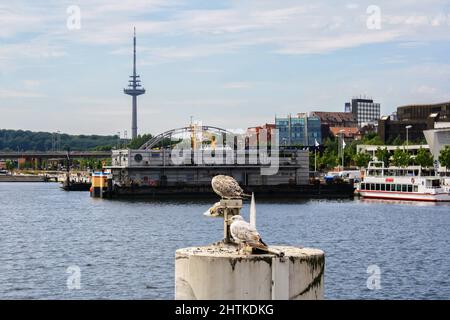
(13, 140)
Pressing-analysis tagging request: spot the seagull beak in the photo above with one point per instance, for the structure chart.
(213, 211)
(207, 213)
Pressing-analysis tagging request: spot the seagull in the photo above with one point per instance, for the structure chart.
(227, 187)
(215, 211)
(243, 233)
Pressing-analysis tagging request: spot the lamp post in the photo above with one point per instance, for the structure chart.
(407, 128)
(342, 146)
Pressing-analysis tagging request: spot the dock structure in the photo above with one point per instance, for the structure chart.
(185, 168)
(152, 172)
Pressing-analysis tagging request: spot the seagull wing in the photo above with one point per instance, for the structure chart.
(242, 231)
(232, 188)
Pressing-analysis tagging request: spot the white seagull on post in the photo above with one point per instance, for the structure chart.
(243, 233)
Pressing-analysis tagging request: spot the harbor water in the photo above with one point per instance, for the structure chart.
(125, 249)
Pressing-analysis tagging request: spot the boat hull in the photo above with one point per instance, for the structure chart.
(76, 186)
(409, 196)
(320, 191)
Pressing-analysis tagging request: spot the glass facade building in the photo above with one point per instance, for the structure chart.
(365, 111)
(299, 131)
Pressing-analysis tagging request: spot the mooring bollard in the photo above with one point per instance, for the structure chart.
(217, 272)
(223, 271)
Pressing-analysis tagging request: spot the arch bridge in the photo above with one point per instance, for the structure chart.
(154, 141)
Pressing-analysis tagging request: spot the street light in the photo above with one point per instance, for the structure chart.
(407, 128)
(342, 146)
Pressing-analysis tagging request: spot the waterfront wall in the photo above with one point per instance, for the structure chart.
(201, 176)
(19, 178)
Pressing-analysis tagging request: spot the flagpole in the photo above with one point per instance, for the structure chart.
(315, 159)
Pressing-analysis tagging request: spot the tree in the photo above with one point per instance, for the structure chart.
(397, 141)
(423, 158)
(9, 165)
(44, 141)
(362, 159)
(444, 157)
(400, 158)
(139, 141)
(327, 160)
(383, 154)
(372, 139)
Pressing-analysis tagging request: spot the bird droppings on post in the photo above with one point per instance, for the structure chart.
(224, 270)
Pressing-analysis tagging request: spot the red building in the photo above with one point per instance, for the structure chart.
(255, 130)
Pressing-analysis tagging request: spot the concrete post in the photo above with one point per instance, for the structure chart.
(219, 272)
(231, 208)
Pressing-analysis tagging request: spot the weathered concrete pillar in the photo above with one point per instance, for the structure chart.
(219, 272)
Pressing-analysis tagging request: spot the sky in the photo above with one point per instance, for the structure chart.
(226, 63)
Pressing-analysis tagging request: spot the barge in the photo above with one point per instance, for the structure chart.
(154, 174)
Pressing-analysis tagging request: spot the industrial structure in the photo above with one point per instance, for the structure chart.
(134, 89)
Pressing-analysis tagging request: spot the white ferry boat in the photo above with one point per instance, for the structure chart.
(410, 183)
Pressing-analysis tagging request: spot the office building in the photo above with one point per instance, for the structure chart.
(302, 130)
(416, 117)
(329, 120)
(365, 110)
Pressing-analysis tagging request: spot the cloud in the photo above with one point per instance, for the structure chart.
(12, 93)
(238, 85)
(171, 30)
(424, 89)
(30, 83)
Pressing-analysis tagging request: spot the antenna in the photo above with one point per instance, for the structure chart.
(134, 89)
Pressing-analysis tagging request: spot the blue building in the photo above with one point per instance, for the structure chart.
(302, 130)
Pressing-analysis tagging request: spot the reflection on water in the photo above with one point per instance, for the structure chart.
(404, 202)
(125, 249)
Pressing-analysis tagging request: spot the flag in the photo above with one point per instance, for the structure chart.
(316, 143)
(343, 143)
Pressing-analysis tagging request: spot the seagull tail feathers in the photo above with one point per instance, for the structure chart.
(263, 247)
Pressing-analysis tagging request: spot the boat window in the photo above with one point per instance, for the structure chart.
(363, 186)
(383, 187)
(398, 187)
(410, 187)
(377, 186)
(404, 188)
(416, 188)
(388, 187)
(372, 186)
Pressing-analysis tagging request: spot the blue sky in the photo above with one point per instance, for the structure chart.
(231, 64)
